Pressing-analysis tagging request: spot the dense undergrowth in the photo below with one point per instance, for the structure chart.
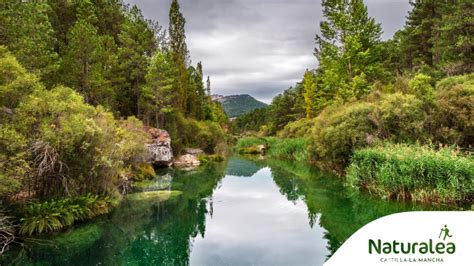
(56, 214)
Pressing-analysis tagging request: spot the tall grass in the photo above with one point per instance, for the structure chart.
(56, 214)
(277, 148)
(413, 172)
(289, 149)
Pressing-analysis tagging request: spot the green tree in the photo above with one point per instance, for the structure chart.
(179, 51)
(26, 30)
(347, 48)
(83, 67)
(309, 84)
(157, 97)
(137, 44)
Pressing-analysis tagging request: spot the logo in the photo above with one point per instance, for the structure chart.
(428, 246)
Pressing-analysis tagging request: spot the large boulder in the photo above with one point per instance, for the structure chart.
(187, 161)
(159, 149)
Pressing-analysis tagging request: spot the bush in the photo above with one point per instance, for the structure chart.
(343, 128)
(401, 118)
(421, 87)
(74, 148)
(339, 130)
(56, 214)
(187, 132)
(413, 172)
(447, 83)
(297, 129)
(452, 121)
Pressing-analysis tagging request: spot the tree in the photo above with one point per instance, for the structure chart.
(82, 64)
(347, 47)
(208, 86)
(29, 35)
(309, 84)
(157, 97)
(137, 44)
(179, 53)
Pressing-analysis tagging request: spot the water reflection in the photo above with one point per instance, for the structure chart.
(240, 212)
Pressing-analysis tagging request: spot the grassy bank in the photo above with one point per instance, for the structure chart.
(412, 172)
(276, 148)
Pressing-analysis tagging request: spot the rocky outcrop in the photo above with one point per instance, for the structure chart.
(159, 149)
(186, 161)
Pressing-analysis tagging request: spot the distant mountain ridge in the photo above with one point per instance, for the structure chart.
(237, 105)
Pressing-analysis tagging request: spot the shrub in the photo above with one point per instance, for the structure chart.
(187, 132)
(297, 129)
(401, 118)
(413, 172)
(447, 83)
(75, 148)
(340, 129)
(452, 121)
(421, 87)
(343, 128)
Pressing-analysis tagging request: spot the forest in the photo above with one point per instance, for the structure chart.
(393, 118)
(80, 82)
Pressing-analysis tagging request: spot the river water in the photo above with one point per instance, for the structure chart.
(239, 212)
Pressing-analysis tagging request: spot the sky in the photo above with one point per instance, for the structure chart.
(259, 47)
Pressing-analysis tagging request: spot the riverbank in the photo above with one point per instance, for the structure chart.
(389, 171)
(214, 213)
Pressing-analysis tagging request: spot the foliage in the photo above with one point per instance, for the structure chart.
(420, 87)
(185, 133)
(347, 50)
(413, 172)
(293, 149)
(451, 121)
(298, 129)
(309, 84)
(28, 33)
(56, 214)
(338, 130)
(75, 148)
(252, 121)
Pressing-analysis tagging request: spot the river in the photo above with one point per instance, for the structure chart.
(243, 211)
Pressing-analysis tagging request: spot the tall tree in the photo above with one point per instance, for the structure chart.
(208, 86)
(309, 84)
(179, 53)
(82, 66)
(137, 44)
(347, 48)
(26, 29)
(157, 96)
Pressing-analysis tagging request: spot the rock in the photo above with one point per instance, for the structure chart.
(187, 160)
(262, 149)
(159, 149)
(193, 151)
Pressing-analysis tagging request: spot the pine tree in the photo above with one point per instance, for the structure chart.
(179, 53)
(157, 96)
(137, 44)
(82, 64)
(208, 86)
(26, 30)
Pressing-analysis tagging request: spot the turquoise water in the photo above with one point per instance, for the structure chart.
(239, 212)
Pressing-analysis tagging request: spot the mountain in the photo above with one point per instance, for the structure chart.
(237, 105)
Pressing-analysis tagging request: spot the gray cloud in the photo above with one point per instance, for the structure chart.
(259, 47)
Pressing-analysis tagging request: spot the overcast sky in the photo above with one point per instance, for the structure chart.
(259, 47)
